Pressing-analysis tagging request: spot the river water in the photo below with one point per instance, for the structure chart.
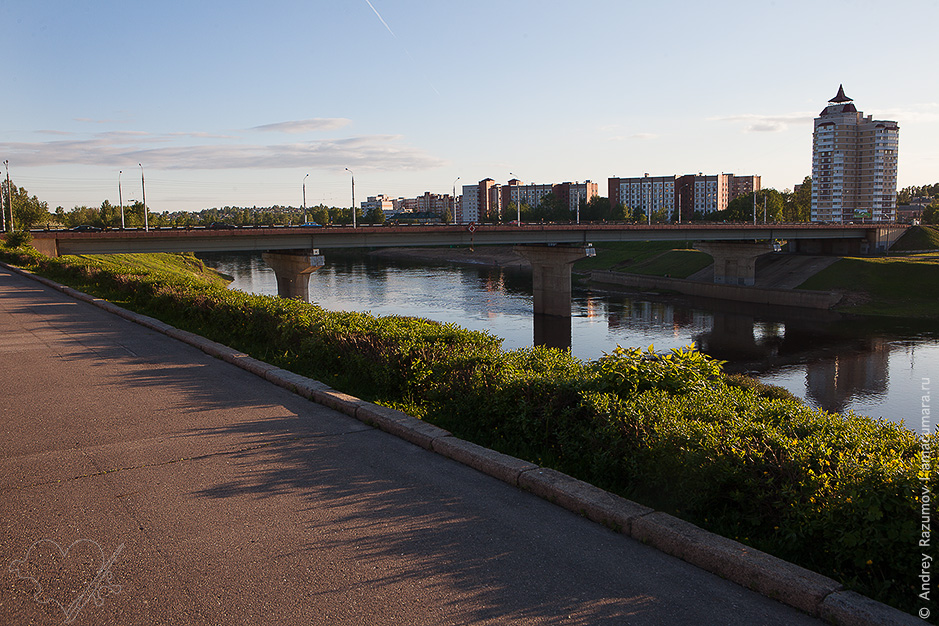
(872, 367)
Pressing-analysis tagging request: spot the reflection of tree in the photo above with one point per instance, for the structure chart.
(832, 383)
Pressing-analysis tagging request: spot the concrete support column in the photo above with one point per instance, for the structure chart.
(292, 269)
(734, 262)
(551, 286)
(551, 275)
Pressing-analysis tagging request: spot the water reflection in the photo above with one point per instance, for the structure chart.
(833, 362)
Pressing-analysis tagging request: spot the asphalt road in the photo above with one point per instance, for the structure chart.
(218, 498)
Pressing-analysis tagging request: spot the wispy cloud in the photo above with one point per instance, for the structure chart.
(632, 137)
(305, 126)
(116, 149)
(767, 123)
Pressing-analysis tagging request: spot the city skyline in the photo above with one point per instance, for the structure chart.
(225, 105)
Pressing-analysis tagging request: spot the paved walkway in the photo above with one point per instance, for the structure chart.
(219, 498)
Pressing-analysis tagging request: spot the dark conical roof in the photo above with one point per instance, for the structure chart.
(840, 97)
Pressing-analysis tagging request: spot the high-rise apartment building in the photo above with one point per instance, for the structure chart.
(854, 165)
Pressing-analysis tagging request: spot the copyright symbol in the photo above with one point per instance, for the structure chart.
(924, 613)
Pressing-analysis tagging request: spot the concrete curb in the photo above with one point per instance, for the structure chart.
(790, 584)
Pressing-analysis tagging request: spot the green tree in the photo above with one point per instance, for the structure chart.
(597, 209)
(798, 204)
(375, 216)
(931, 213)
(28, 212)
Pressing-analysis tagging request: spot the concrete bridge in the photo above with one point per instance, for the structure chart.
(293, 252)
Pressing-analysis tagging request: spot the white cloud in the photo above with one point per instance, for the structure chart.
(767, 123)
(117, 149)
(305, 126)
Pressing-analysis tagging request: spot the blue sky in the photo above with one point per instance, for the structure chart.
(233, 103)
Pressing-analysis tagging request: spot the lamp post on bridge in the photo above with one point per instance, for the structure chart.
(120, 196)
(353, 196)
(304, 198)
(453, 200)
(143, 187)
(6, 164)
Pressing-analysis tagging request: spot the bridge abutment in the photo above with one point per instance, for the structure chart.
(292, 269)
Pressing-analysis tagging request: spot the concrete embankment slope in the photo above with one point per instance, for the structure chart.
(212, 495)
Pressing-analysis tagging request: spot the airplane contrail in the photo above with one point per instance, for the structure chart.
(385, 24)
(381, 19)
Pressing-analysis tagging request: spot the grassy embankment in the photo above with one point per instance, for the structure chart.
(837, 494)
(906, 287)
(653, 258)
(918, 238)
(892, 286)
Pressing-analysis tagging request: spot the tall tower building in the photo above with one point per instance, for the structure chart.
(854, 165)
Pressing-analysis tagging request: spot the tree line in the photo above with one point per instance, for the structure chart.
(777, 206)
(30, 212)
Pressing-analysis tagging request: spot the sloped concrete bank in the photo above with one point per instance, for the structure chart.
(756, 295)
(808, 591)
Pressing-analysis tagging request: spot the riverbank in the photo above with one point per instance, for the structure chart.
(753, 466)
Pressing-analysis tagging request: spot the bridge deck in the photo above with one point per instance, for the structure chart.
(285, 238)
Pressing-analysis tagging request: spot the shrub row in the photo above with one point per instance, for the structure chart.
(838, 494)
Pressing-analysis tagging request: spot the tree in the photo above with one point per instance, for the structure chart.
(375, 216)
(27, 211)
(931, 213)
(597, 209)
(798, 204)
(320, 214)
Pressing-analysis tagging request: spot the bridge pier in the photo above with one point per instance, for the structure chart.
(551, 287)
(734, 263)
(292, 269)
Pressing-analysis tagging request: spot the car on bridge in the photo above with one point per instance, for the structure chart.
(85, 228)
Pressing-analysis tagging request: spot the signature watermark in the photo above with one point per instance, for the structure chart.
(68, 578)
(925, 501)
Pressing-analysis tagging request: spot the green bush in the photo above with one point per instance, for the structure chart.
(17, 238)
(835, 493)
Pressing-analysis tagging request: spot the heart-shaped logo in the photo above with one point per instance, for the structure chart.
(68, 578)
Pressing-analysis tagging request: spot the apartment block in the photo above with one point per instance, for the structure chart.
(685, 193)
(488, 200)
(854, 165)
(386, 204)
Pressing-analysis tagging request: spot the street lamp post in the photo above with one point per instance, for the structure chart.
(120, 196)
(453, 200)
(353, 196)
(6, 164)
(304, 199)
(143, 189)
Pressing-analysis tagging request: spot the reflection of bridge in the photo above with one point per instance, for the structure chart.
(551, 248)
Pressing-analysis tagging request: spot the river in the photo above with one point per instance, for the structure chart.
(838, 363)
